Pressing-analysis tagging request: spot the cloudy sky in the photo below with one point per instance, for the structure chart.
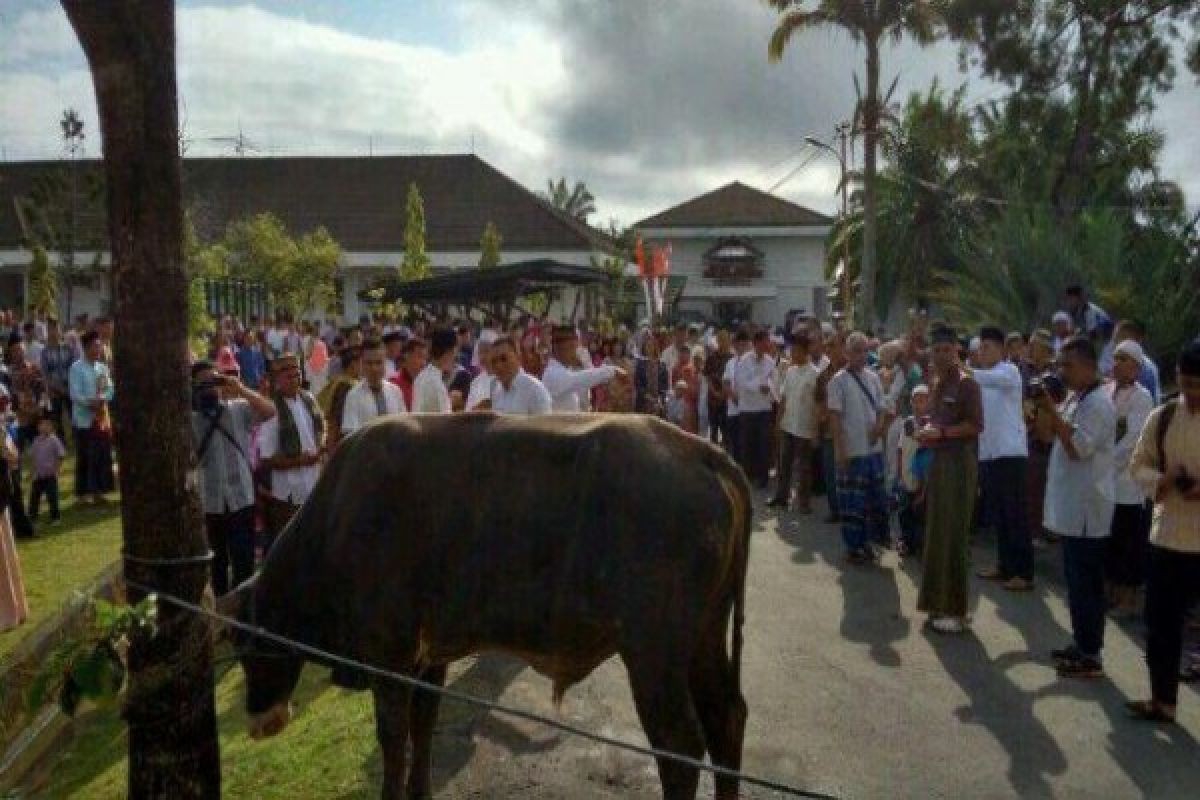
(648, 101)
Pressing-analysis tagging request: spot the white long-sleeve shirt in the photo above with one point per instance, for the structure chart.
(429, 391)
(362, 405)
(481, 389)
(566, 385)
(1003, 435)
(752, 375)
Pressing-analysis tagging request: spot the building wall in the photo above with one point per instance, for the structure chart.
(793, 267)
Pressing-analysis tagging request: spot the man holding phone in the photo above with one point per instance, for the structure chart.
(1166, 464)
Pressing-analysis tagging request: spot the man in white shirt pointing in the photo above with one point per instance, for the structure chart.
(566, 383)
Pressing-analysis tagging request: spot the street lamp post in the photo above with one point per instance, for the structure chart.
(841, 132)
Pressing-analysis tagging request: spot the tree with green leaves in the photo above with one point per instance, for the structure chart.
(1111, 59)
(576, 200)
(299, 273)
(415, 265)
(868, 22)
(489, 246)
(43, 284)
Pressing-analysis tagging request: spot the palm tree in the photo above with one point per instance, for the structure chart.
(867, 21)
(576, 201)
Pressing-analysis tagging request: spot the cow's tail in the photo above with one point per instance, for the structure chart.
(737, 489)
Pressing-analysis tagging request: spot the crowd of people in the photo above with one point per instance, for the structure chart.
(56, 388)
(1053, 438)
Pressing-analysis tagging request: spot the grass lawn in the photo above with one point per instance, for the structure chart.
(328, 750)
(62, 559)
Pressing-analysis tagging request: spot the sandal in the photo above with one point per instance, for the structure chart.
(1149, 711)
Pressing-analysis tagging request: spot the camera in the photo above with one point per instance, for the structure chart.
(205, 395)
(1047, 383)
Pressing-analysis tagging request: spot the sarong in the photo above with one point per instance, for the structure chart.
(862, 502)
(949, 507)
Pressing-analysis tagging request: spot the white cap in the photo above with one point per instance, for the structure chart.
(1131, 349)
(1061, 316)
(488, 336)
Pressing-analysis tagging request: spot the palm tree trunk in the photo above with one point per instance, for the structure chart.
(130, 47)
(870, 146)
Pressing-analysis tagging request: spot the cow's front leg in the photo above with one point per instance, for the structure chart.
(424, 719)
(391, 728)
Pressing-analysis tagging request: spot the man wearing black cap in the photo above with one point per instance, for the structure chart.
(291, 444)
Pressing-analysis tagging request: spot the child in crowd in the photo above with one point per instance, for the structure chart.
(912, 470)
(47, 454)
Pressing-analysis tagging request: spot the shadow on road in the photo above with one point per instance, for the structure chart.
(871, 612)
(1005, 709)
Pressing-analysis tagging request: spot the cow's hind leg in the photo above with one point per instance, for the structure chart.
(664, 706)
(721, 708)
(424, 718)
(391, 729)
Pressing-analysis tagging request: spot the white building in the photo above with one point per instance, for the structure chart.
(746, 254)
(361, 201)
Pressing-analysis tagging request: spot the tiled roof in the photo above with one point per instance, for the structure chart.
(360, 200)
(735, 206)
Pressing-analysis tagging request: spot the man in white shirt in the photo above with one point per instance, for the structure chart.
(429, 389)
(1004, 462)
(393, 344)
(797, 425)
(515, 391)
(754, 381)
(372, 396)
(1080, 489)
(569, 385)
(291, 444)
(733, 433)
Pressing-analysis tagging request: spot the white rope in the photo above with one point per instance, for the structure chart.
(469, 699)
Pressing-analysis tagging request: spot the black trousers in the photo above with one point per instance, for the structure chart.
(1127, 546)
(231, 538)
(755, 428)
(1172, 587)
(793, 449)
(1002, 482)
(731, 436)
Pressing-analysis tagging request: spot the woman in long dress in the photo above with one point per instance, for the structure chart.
(13, 608)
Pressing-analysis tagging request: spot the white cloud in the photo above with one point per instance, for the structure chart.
(650, 105)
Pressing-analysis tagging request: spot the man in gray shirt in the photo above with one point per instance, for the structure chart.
(858, 418)
(224, 415)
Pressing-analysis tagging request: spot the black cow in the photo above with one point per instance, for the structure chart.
(562, 539)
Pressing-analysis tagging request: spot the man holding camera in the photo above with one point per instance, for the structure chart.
(1166, 464)
(224, 415)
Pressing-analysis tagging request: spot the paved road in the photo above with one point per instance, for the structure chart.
(850, 695)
